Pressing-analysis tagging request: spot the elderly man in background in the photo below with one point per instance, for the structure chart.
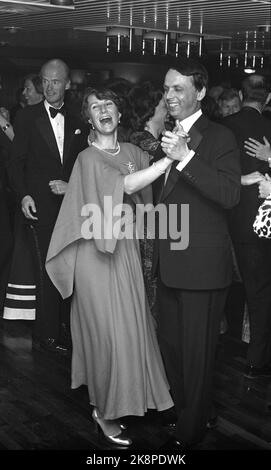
(47, 141)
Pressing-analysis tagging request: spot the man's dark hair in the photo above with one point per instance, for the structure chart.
(194, 68)
(254, 88)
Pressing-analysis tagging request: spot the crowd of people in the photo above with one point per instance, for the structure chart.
(141, 315)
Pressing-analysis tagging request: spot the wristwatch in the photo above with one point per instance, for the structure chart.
(5, 127)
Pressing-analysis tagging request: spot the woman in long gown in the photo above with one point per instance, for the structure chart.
(115, 350)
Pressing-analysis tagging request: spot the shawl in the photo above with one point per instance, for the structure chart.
(95, 177)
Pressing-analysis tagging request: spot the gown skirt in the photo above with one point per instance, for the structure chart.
(115, 349)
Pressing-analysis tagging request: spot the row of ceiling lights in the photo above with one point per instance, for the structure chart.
(119, 39)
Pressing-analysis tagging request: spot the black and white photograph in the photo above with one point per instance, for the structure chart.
(135, 231)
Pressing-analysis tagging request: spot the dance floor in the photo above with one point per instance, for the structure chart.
(39, 411)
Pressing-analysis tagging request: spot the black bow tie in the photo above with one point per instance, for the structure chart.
(54, 111)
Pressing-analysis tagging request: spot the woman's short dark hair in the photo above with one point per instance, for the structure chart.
(143, 100)
(101, 94)
(194, 68)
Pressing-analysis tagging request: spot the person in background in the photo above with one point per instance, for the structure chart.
(20, 104)
(253, 253)
(46, 144)
(229, 102)
(32, 89)
(148, 113)
(215, 92)
(6, 233)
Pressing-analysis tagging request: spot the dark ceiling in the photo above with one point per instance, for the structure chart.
(47, 31)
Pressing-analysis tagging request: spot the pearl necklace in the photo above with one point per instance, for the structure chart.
(115, 152)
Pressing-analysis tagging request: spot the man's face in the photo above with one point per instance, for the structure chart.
(54, 83)
(228, 107)
(181, 96)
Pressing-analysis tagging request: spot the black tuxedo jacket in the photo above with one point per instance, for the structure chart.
(209, 184)
(247, 123)
(35, 159)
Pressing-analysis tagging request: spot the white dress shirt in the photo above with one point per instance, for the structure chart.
(58, 128)
(186, 123)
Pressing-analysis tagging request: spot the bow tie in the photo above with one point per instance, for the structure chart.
(54, 111)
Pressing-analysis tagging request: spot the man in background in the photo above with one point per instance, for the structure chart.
(47, 142)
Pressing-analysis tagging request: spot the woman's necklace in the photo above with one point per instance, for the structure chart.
(110, 152)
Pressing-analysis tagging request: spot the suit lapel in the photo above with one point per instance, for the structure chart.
(195, 134)
(68, 136)
(46, 130)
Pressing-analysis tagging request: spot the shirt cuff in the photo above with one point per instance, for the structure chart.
(186, 160)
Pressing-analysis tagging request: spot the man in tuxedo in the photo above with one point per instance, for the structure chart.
(193, 279)
(253, 253)
(47, 141)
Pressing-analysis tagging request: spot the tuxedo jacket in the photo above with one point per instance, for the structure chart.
(35, 158)
(247, 123)
(210, 186)
(5, 145)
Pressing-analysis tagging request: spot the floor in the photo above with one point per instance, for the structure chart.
(39, 411)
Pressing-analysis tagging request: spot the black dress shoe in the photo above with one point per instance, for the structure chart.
(252, 372)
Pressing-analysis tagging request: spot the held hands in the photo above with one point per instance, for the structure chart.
(29, 207)
(58, 187)
(254, 148)
(265, 187)
(174, 143)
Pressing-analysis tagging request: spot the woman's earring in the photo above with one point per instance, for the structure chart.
(91, 125)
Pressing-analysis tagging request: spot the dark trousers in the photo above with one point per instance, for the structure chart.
(254, 261)
(188, 328)
(52, 310)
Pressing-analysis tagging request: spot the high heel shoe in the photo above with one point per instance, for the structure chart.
(122, 426)
(116, 439)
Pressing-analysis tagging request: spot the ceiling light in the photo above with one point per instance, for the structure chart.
(118, 39)
(249, 70)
